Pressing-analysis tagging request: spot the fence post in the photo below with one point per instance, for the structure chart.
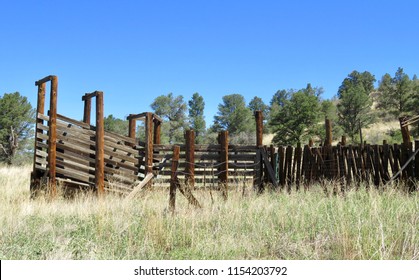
(87, 110)
(328, 141)
(417, 160)
(405, 131)
(35, 176)
(258, 171)
(259, 128)
(149, 144)
(52, 139)
(131, 126)
(190, 158)
(157, 132)
(297, 160)
(173, 178)
(223, 176)
(100, 145)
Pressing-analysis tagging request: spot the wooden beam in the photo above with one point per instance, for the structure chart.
(100, 145)
(190, 158)
(173, 178)
(44, 80)
(259, 128)
(269, 168)
(149, 143)
(405, 131)
(223, 177)
(131, 127)
(157, 133)
(52, 140)
(140, 187)
(87, 110)
(90, 95)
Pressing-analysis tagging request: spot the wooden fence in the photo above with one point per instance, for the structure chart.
(367, 164)
(79, 154)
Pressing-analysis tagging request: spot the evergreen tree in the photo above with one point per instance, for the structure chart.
(116, 125)
(296, 120)
(257, 104)
(196, 116)
(16, 127)
(233, 115)
(395, 93)
(354, 107)
(173, 110)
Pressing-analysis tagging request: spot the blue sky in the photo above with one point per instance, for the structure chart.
(135, 51)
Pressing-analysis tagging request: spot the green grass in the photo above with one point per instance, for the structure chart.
(300, 225)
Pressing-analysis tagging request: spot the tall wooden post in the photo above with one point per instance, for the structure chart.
(100, 145)
(131, 126)
(190, 158)
(149, 143)
(173, 178)
(87, 109)
(223, 177)
(35, 176)
(310, 142)
(52, 139)
(40, 110)
(328, 141)
(157, 132)
(259, 128)
(405, 131)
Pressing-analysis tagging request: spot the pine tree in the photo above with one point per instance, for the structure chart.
(173, 110)
(16, 127)
(354, 107)
(196, 116)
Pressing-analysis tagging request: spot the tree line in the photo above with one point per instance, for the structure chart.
(292, 115)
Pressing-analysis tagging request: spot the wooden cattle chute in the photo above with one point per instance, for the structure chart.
(81, 155)
(78, 154)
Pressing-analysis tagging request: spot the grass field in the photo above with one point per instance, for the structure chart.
(275, 225)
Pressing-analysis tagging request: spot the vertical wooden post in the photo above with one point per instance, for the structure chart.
(131, 126)
(410, 168)
(157, 132)
(87, 109)
(310, 143)
(173, 178)
(273, 160)
(35, 176)
(417, 160)
(288, 167)
(386, 157)
(190, 158)
(40, 110)
(259, 128)
(149, 144)
(52, 139)
(328, 141)
(258, 171)
(281, 166)
(100, 145)
(223, 177)
(405, 131)
(298, 156)
(377, 163)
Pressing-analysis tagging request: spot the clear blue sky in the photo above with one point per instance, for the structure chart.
(135, 51)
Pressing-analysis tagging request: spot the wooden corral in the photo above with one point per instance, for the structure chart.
(78, 154)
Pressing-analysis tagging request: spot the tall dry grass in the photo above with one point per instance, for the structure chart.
(300, 225)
